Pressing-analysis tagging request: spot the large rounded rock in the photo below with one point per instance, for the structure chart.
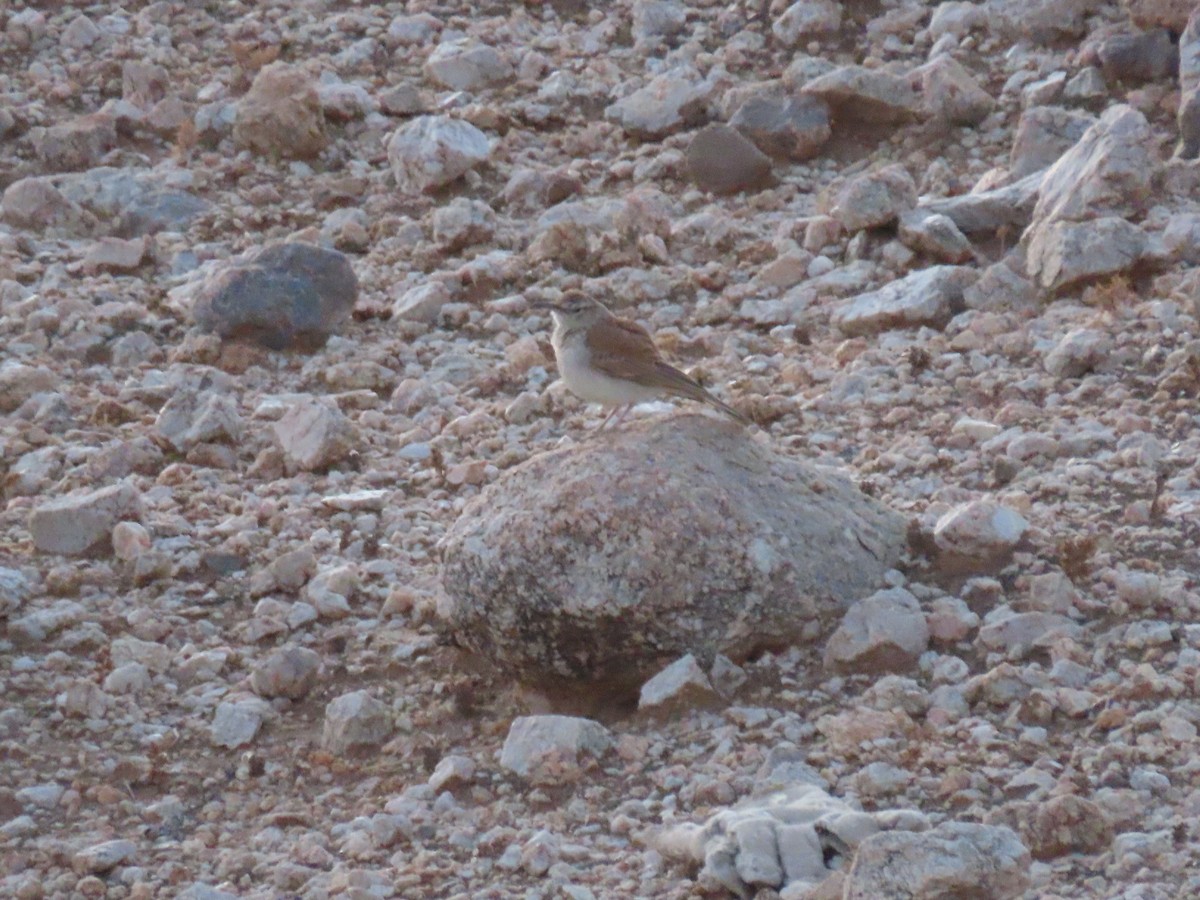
(674, 535)
(281, 114)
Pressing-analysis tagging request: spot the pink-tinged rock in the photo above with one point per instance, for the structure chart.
(281, 114)
(315, 435)
(78, 144)
(130, 540)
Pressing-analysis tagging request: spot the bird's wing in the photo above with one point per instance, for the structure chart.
(623, 349)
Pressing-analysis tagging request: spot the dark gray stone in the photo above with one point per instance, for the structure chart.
(287, 295)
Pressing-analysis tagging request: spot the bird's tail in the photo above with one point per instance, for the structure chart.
(683, 385)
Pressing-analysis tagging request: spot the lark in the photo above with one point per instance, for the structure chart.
(614, 362)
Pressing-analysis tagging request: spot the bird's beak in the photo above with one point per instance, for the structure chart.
(547, 305)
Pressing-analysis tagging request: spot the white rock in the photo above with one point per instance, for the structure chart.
(452, 771)
(432, 151)
(131, 678)
(875, 198)
(1061, 255)
(130, 540)
(14, 588)
(552, 749)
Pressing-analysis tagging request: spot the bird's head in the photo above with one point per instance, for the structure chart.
(574, 308)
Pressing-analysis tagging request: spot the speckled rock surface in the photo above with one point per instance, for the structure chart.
(671, 536)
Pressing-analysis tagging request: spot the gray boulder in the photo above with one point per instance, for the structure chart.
(675, 535)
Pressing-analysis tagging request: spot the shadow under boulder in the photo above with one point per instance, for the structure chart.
(674, 535)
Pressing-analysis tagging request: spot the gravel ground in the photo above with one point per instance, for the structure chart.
(222, 660)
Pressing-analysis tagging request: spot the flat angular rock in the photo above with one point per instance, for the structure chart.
(281, 114)
(422, 303)
(866, 95)
(112, 254)
(722, 161)
(874, 198)
(784, 125)
(552, 749)
(432, 151)
(885, 632)
(286, 295)
(925, 297)
(1040, 21)
(1003, 208)
(355, 721)
(978, 537)
(955, 859)
(1000, 288)
(601, 562)
(1181, 238)
(681, 685)
(1062, 255)
(1020, 631)
(315, 435)
(657, 21)
(668, 103)
(82, 522)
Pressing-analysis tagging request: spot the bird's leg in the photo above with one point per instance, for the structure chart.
(621, 415)
(611, 413)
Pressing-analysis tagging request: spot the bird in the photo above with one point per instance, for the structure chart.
(613, 361)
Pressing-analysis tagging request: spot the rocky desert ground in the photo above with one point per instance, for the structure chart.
(315, 581)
